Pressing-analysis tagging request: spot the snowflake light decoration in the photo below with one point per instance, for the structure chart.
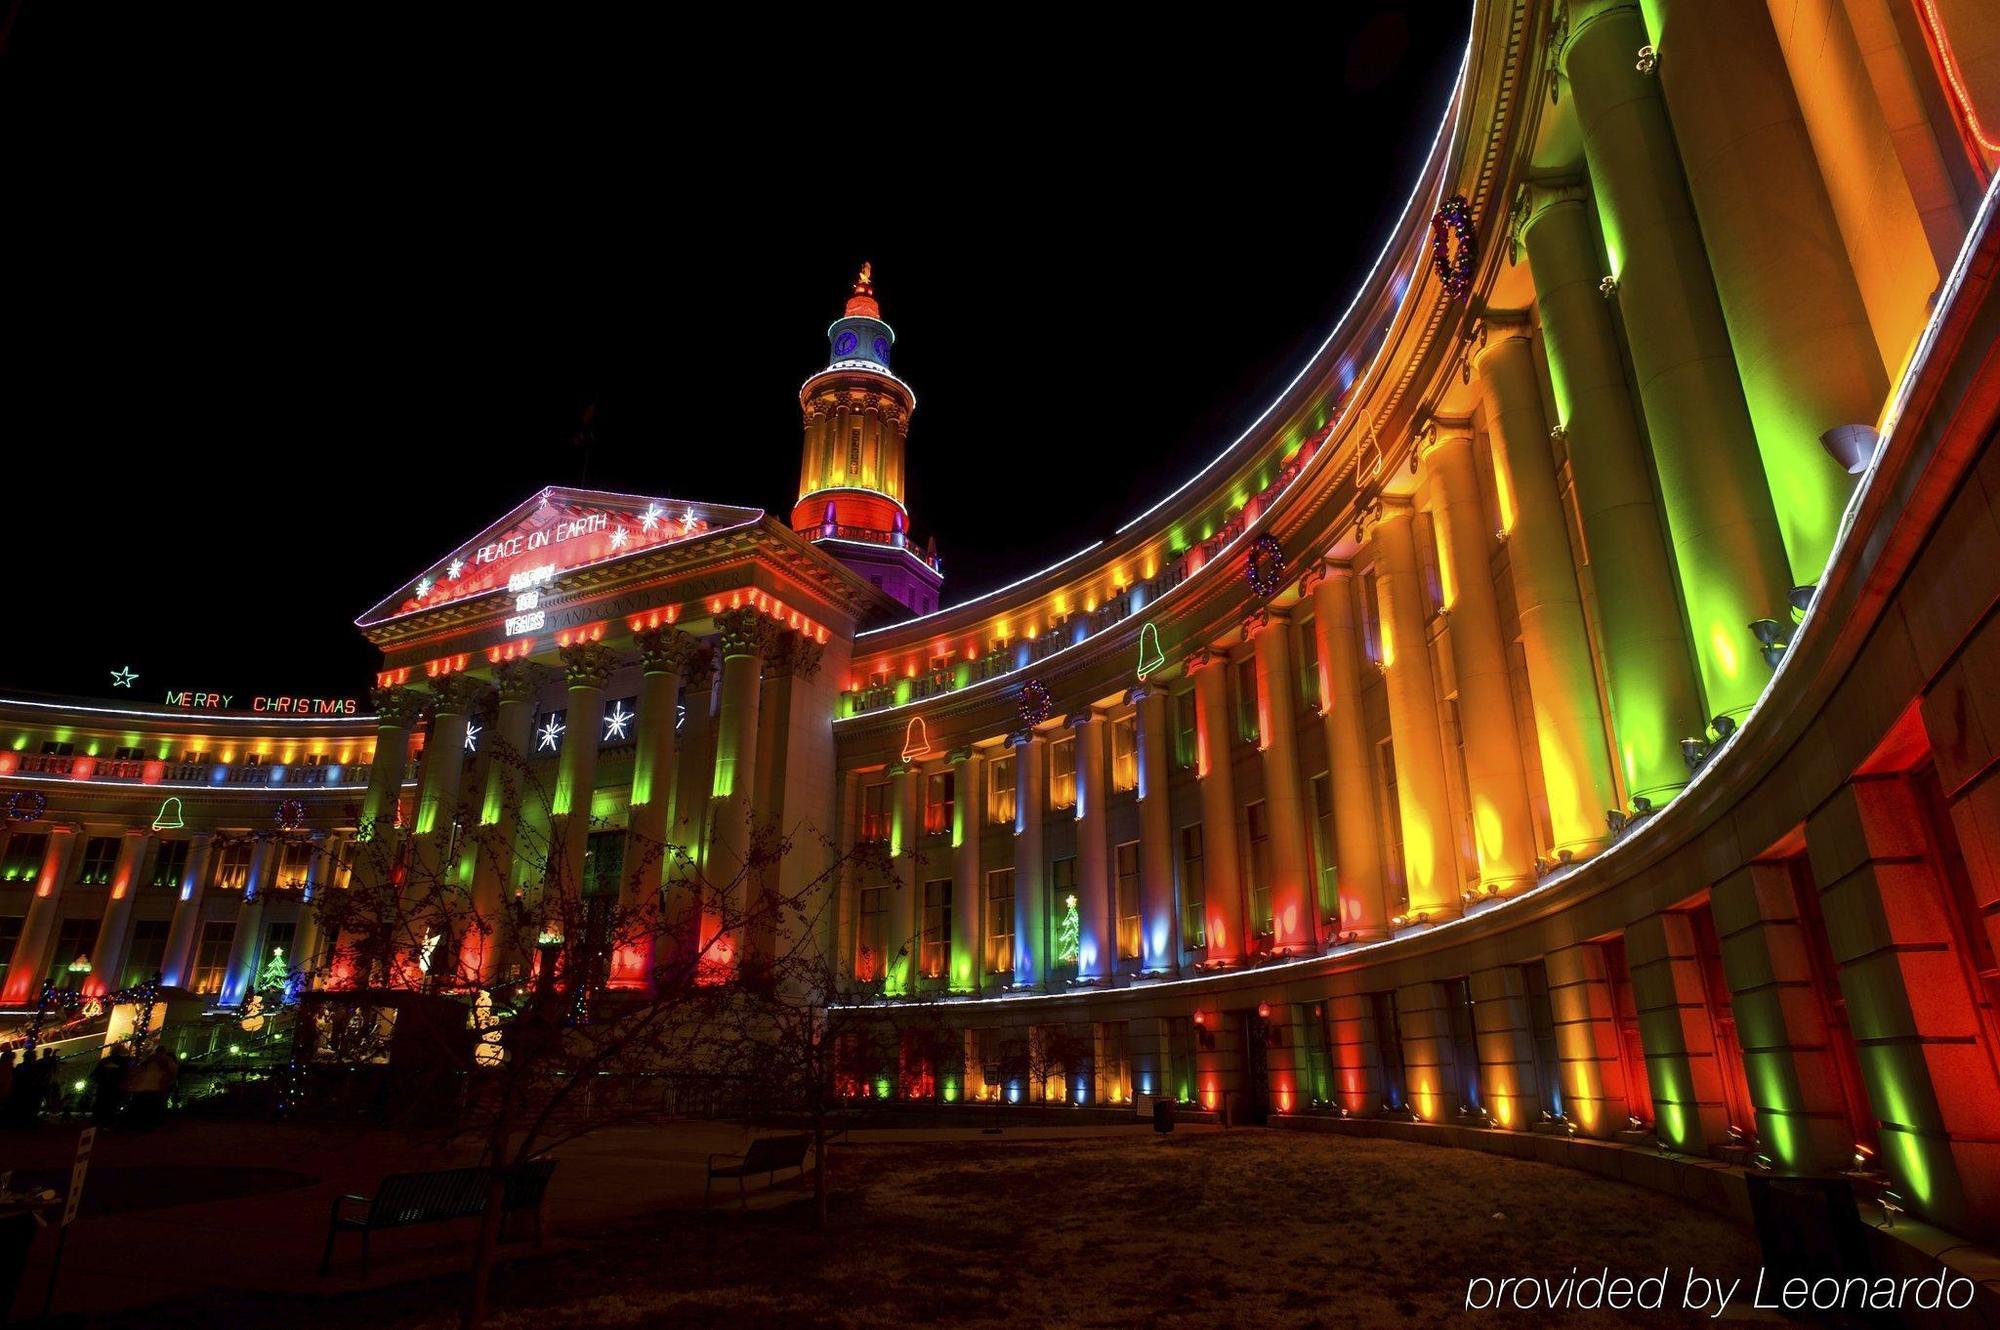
(549, 738)
(616, 721)
(454, 568)
(424, 585)
(618, 538)
(650, 519)
(471, 737)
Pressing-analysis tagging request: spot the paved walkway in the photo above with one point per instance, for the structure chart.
(202, 1207)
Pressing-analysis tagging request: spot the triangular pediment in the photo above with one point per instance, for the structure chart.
(554, 531)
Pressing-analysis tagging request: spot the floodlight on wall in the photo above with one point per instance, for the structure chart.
(1694, 752)
(1771, 640)
(1648, 61)
(1853, 446)
(1800, 598)
(1608, 287)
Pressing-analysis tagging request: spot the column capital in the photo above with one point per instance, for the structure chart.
(1258, 620)
(1076, 720)
(1138, 693)
(699, 672)
(519, 680)
(745, 631)
(1535, 197)
(793, 654)
(588, 664)
(458, 694)
(398, 706)
(1021, 738)
(1199, 659)
(960, 756)
(665, 649)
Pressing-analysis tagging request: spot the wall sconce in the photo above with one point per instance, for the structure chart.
(1608, 287)
(1800, 598)
(1853, 446)
(1771, 642)
(1649, 60)
(1694, 752)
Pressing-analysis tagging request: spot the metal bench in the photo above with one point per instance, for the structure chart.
(767, 1155)
(406, 1199)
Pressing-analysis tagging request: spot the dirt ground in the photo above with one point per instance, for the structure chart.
(1239, 1229)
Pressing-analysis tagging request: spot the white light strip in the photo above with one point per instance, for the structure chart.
(988, 595)
(195, 786)
(1899, 399)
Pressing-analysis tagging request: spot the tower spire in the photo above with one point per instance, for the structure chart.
(861, 303)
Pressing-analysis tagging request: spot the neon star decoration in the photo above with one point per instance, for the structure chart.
(123, 678)
(650, 519)
(549, 738)
(454, 568)
(616, 721)
(471, 737)
(618, 538)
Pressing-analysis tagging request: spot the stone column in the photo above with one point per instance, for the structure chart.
(30, 963)
(1428, 859)
(1159, 926)
(109, 952)
(1569, 723)
(745, 634)
(1031, 967)
(1356, 1053)
(1357, 851)
(587, 666)
(174, 965)
(1506, 1044)
(1594, 1094)
(1915, 1016)
(397, 711)
(664, 653)
(905, 942)
(1097, 943)
(691, 920)
(1870, 193)
(1788, 1059)
(1690, 1110)
(1221, 871)
(1503, 830)
(1430, 1072)
(319, 878)
(241, 971)
(1648, 669)
(1803, 347)
(1294, 908)
(457, 697)
(967, 921)
(1727, 547)
(488, 950)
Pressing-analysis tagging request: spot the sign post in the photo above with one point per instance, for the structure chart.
(77, 1171)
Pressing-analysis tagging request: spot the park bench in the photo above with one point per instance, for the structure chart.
(406, 1199)
(767, 1155)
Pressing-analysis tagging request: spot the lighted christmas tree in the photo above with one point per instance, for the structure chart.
(1069, 930)
(276, 974)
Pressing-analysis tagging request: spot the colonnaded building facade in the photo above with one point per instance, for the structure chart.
(1566, 715)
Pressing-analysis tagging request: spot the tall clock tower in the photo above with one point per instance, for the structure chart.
(851, 481)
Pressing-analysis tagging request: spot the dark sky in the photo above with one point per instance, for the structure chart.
(288, 314)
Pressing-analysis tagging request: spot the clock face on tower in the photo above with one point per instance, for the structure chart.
(844, 344)
(882, 349)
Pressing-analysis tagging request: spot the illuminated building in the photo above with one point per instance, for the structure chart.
(1570, 705)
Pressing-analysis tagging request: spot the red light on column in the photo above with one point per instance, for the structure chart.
(85, 768)
(1264, 1011)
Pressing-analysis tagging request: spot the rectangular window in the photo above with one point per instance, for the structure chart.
(1062, 900)
(25, 852)
(211, 955)
(1247, 727)
(1125, 753)
(10, 933)
(232, 866)
(875, 813)
(170, 864)
(1128, 901)
(74, 941)
(603, 863)
(146, 953)
(1464, 1042)
(1329, 871)
(1187, 737)
(1194, 890)
(1430, 563)
(295, 863)
(1722, 1019)
(1388, 1046)
(1371, 617)
(1062, 772)
(870, 957)
(254, 759)
(1542, 1028)
(1000, 788)
(100, 856)
(1392, 825)
(1257, 823)
(129, 755)
(52, 748)
(940, 802)
(1000, 921)
(854, 452)
(1308, 640)
(1181, 1064)
(934, 956)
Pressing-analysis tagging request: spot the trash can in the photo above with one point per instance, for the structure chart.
(1163, 1115)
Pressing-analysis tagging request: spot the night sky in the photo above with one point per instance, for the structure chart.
(287, 315)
